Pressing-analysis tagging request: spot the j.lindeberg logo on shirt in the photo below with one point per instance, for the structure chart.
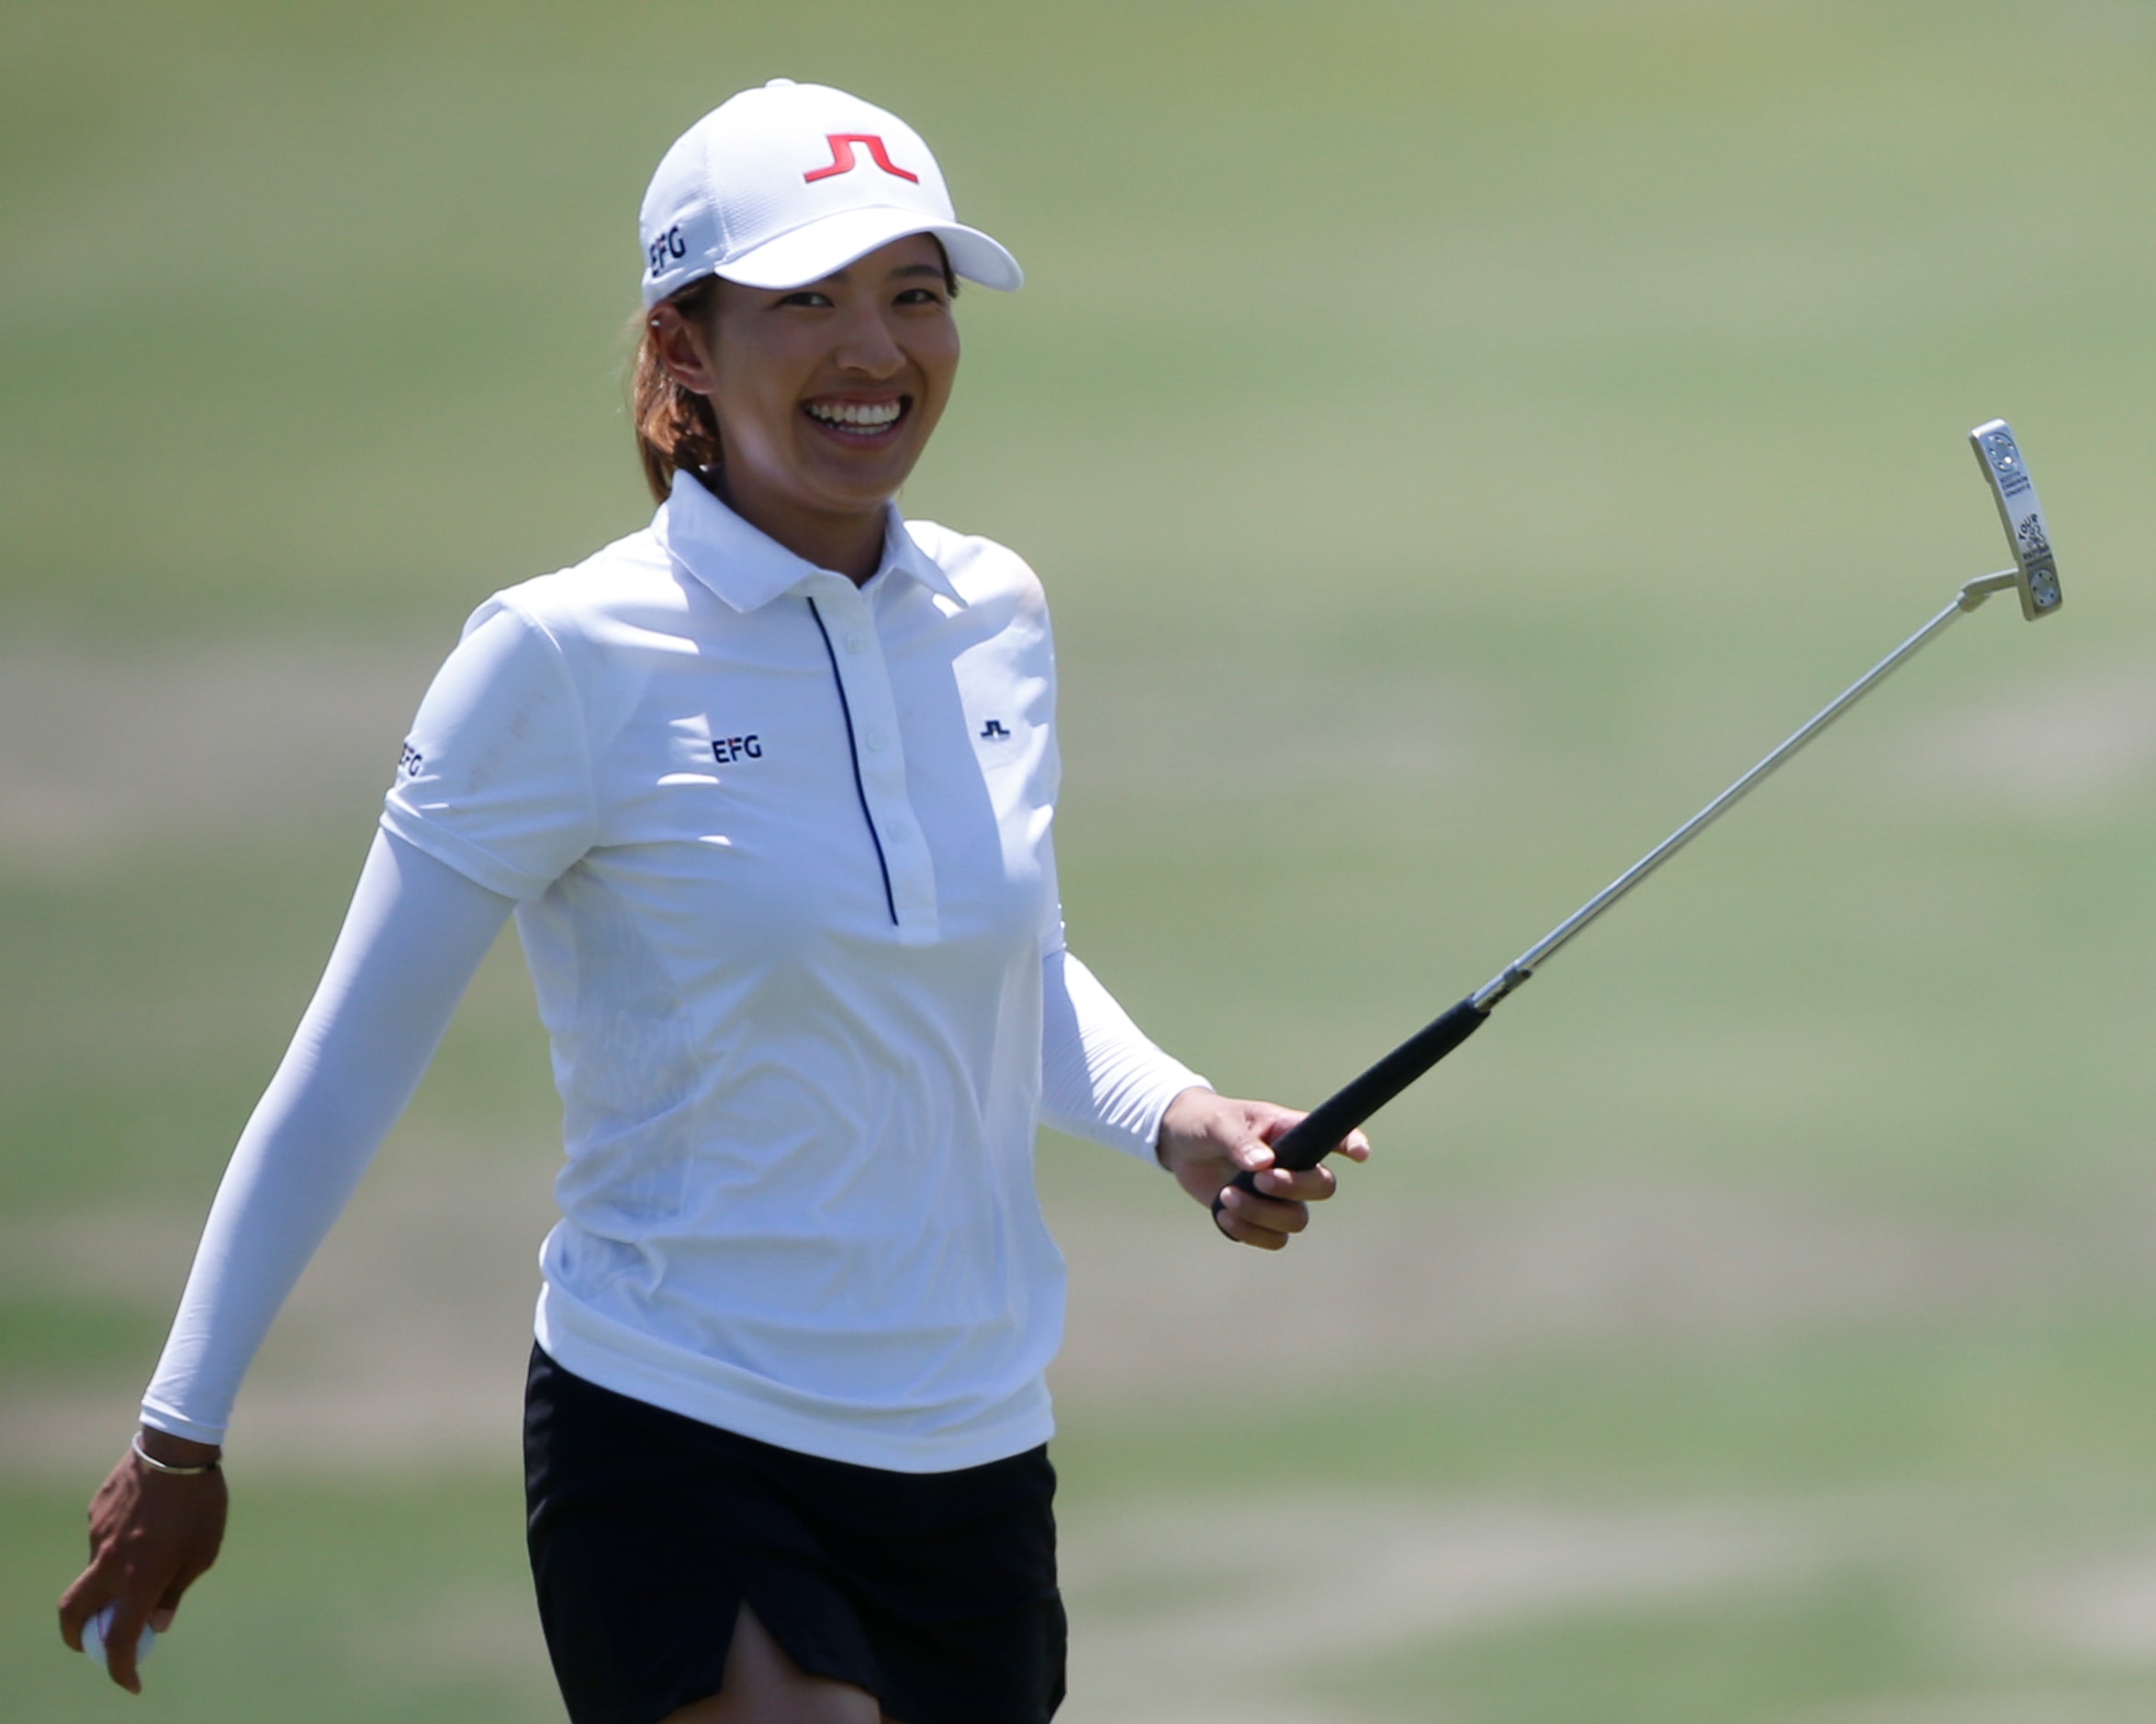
(993, 732)
(725, 750)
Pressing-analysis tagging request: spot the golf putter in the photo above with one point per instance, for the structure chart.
(2035, 576)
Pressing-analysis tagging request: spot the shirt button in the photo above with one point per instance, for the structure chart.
(900, 832)
(878, 742)
(856, 642)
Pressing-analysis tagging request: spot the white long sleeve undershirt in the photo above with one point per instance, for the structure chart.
(1101, 1077)
(411, 941)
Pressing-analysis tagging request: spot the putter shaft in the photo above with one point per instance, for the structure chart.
(1971, 596)
(1319, 1133)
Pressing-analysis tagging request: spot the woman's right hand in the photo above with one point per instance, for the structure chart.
(152, 1536)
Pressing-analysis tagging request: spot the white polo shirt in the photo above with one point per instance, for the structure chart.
(782, 852)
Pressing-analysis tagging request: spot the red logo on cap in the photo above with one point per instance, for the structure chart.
(842, 143)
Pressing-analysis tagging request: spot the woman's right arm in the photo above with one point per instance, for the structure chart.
(415, 935)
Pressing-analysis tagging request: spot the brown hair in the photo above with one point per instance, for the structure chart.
(674, 426)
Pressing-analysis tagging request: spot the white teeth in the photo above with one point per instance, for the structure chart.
(869, 416)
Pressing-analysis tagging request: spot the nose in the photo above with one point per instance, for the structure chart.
(868, 346)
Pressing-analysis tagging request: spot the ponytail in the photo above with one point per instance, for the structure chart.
(674, 426)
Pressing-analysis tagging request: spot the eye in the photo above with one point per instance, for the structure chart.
(919, 296)
(806, 296)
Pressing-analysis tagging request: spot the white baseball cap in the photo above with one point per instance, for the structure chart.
(780, 186)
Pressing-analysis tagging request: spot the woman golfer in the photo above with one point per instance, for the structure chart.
(768, 787)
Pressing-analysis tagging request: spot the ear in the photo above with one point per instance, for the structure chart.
(684, 348)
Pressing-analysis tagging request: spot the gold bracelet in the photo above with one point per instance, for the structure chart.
(166, 1467)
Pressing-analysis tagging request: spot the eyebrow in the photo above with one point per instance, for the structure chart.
(895, 275)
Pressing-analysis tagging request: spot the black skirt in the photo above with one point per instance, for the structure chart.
(934, 1591)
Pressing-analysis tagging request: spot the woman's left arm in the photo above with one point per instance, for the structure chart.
(1102, 1079)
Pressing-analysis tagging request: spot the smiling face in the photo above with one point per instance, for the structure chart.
(825, 394)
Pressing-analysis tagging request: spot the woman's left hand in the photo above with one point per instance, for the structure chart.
(1207, 1139)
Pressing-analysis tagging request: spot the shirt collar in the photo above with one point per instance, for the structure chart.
(748, 569)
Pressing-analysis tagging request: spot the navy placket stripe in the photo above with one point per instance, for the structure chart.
(853, 753)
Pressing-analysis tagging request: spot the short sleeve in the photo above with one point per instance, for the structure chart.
(496, 778)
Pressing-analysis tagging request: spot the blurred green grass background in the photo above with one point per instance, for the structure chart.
(1457, 438)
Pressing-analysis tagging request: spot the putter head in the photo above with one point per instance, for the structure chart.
(2036, 570)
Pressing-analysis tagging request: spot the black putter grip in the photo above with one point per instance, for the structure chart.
(1320, 1132)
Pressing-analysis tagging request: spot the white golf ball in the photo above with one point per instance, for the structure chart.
(94, 1632)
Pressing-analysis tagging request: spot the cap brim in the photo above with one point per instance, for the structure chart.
(821, 248)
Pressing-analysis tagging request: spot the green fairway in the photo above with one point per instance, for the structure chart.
(1457, 439)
